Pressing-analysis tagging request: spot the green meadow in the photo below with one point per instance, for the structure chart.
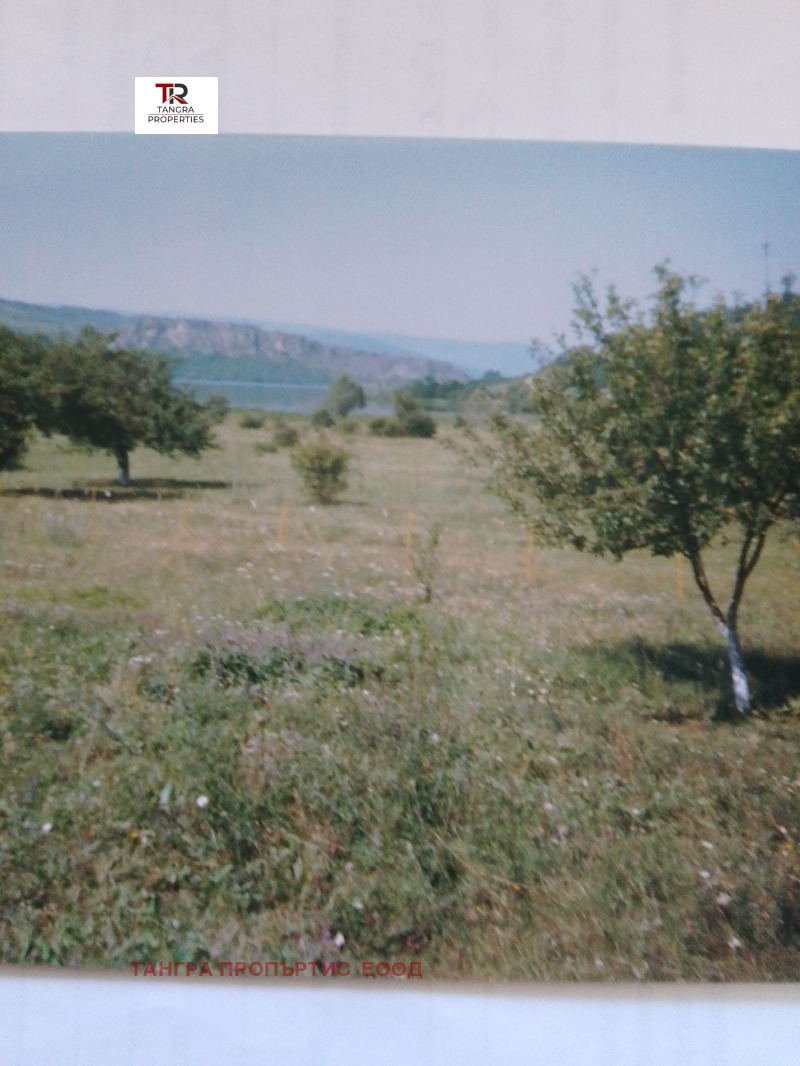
(238, 725)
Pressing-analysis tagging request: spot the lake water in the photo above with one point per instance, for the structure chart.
(296, 399)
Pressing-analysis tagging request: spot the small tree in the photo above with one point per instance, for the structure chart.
(118, 400)
(322, 466)
(344, 395)
(20, 391)
(662, 431)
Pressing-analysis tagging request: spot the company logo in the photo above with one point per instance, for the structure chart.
(173, 97)
(175, 105)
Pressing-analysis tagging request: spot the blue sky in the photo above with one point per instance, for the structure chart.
(471, 240)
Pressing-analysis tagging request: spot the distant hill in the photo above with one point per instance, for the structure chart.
(510, 358)
(232, 350)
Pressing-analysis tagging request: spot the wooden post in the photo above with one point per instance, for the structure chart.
(679, 576)
(409, 539)
(530, 557)
(282, 524)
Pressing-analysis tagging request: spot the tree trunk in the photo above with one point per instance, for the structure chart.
(123, 461)
(728, 623)
(741, 687)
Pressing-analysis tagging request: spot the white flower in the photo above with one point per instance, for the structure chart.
(202, 801)
(47, 827)
(359, 906)
(435, 738)
(734, 943)
(705, 874)
(723, 899)
(339, 940)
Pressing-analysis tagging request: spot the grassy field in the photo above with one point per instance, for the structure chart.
(518, 779)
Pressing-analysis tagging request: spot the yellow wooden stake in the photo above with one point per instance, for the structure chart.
(409, 539)
(680, 576)
(530, 557)
(282, 524)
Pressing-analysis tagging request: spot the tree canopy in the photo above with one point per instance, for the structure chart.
(662, 429)
(20, 389)
(343, 396)
(103, 397)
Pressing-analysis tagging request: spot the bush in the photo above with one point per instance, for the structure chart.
(253, 420)
(322, 419)
(410, 420)
(344, 395)
(408, 411)
(348, 426)
(386, 427)
(322, 466)
(285, 436)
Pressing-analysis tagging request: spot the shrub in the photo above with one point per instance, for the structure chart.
(322, 419)
(285, 436)
(344, 395)
(415, 421)
(253, 420)
(410, 420)
(386, 427)
(348, 426)
(322, 466)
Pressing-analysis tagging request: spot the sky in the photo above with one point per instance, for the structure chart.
(469, 240)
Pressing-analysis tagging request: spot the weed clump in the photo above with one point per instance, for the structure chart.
(322, 466)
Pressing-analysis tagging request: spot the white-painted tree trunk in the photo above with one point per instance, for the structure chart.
(124, 472)
(741, 686)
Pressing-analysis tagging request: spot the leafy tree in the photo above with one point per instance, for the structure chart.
(343, 396)
(664, 430)
(322, 466)
(20, 389)
(117, 400)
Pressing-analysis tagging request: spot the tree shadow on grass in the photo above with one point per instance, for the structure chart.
(106, 491)
(774, 678)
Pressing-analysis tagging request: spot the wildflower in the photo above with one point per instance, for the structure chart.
(435, 738)
(734, 943)
(339, 940)
(723, 899)
(47, 827)
(359, 906)
(705, 874)
(707, 845)
(134, 834)
(202, 801)
(549, 806)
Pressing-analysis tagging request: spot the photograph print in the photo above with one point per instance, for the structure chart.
(400, 558)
